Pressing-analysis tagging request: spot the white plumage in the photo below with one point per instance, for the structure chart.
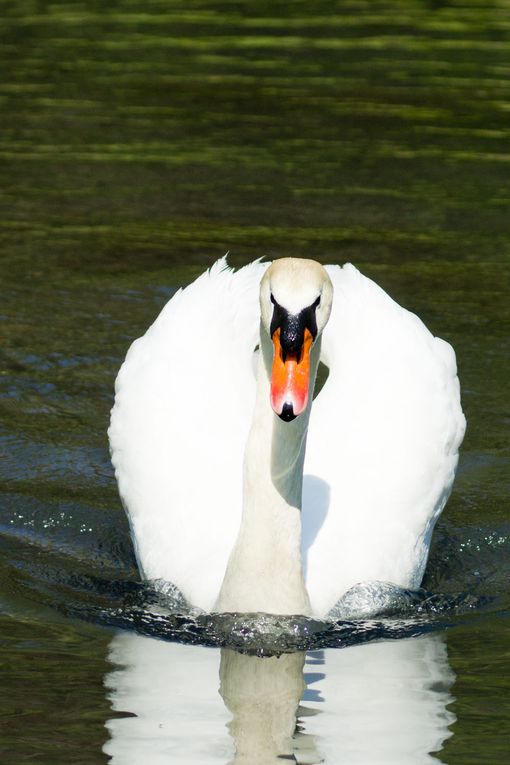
(382, 442)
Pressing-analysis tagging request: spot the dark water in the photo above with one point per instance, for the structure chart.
(138, 143)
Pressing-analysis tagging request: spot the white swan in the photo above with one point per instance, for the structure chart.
(212, 478)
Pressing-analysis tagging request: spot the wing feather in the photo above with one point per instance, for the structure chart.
(382, 444)
(183, 407)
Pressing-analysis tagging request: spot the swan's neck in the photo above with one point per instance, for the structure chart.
(264, 572)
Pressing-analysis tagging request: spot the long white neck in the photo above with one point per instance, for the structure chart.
(264, 572)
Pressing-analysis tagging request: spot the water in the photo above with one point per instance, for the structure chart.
(138, 144)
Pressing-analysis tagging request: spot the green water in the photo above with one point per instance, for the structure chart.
(141, 141)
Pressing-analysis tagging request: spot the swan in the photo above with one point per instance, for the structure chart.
(241, 493)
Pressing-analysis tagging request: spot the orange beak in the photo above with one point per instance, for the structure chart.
(290, 378)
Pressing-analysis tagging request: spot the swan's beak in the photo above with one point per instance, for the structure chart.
(290, 378)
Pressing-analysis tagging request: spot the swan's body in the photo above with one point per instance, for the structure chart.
(192, 399)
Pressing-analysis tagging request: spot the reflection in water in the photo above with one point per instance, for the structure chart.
(382, 702)
(263, 697)
(173, 691)
(375, 703)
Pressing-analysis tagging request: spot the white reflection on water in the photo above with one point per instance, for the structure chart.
(375, 703)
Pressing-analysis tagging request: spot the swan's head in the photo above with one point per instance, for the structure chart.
(295, 304)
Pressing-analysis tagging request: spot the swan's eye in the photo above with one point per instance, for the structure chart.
(317, 302)
(273, 301)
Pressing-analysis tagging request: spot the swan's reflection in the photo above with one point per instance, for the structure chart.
(263, 696)
(375, 703)
(383, 702)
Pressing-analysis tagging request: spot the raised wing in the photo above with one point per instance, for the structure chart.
(382, 444)
(183, 407)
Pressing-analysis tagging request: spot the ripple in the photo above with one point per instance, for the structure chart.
(368, 612)
(86, 580)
